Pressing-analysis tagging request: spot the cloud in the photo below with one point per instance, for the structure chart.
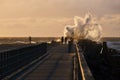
(33, 26)
(46, 8)
(111, 25)
(52, 26)
(37, 15)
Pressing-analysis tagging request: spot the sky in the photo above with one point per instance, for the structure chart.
(46, 18)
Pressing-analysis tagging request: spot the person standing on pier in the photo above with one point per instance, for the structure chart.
(30, 39)
(62, 39)
(66, 39)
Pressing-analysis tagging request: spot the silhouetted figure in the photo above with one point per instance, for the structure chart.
(70, 46)
(30, 39)
(62, 39)
(105, 51)
(66, 40)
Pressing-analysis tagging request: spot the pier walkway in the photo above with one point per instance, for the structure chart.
(58, 65)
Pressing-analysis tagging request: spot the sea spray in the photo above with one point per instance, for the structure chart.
(84, 28)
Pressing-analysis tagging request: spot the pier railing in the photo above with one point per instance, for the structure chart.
(84, 73)
(13, 60)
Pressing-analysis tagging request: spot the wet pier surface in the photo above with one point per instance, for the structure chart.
(58, 65)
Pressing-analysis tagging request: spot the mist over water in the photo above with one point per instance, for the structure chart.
(84, 28)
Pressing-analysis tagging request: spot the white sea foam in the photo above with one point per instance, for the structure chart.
(84, 28)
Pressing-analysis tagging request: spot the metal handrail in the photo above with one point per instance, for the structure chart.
(83, 67)
(10, 61)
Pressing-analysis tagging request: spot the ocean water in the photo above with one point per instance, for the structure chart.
(25, 40)
(10, 43)
(113, 42)
(114, 45)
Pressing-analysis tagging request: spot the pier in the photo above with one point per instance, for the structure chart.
(53, 61)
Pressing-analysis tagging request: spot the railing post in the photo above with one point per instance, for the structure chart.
(0, 66)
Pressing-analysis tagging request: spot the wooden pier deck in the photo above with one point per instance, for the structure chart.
(58, 65)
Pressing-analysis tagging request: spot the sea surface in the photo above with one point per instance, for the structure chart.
(10, 43)
(113, 43)
(25, 40)
(15, 42)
